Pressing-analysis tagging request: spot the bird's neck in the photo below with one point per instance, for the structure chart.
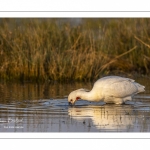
(89, 96)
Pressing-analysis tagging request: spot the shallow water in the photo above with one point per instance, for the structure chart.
(31, 107)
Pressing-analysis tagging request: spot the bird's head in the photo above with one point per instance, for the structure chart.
(73, 97)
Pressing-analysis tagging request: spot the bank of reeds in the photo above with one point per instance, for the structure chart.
(54, 49)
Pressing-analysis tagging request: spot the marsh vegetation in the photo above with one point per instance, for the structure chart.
(64, 49)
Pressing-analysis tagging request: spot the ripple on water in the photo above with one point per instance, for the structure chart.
(89, 116)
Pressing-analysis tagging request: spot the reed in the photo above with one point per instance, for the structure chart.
(54, 49)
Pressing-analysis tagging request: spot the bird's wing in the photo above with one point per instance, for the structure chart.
(111, 79)
(121, 88)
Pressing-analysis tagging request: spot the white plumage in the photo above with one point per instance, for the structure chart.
(110, 89)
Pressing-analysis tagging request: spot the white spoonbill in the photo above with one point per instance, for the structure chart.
(110, 89)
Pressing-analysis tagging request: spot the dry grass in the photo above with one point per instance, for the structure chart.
(50, 49)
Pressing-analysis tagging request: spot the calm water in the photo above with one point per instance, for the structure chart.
(31, 107)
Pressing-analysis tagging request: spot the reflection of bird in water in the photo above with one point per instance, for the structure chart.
(110, 89)
(105, 117)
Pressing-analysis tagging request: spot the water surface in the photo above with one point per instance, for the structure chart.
(32, 107)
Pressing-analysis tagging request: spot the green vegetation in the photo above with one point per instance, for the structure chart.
(61, 49)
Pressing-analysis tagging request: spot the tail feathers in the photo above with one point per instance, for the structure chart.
(140, 87)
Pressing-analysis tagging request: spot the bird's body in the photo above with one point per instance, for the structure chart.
(110, 89)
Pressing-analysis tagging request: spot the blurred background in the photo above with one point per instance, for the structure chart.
(73, 49)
